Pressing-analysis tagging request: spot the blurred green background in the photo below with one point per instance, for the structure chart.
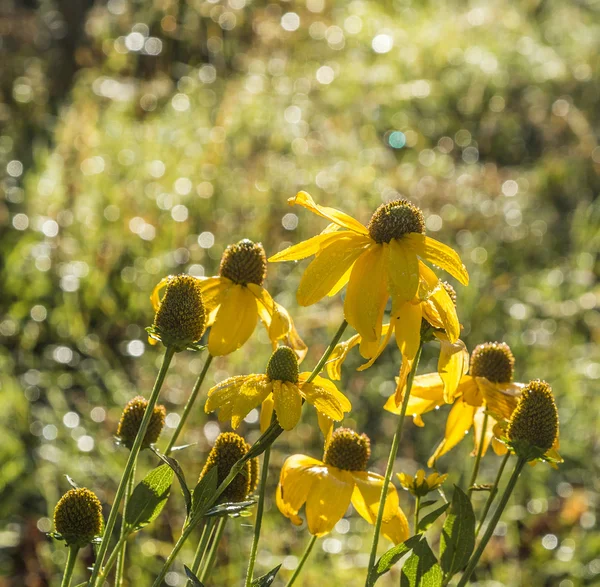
(139, 138)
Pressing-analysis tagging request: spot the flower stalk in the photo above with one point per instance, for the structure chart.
(70, 565)
(204, 537)
(479, 454)
(217, 534)
(493, 492)
(123, 534)
(300, 566)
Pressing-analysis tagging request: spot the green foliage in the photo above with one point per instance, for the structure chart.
(266, 579)
(428, 519)
(421, 569)
(149, 497)
(391, 557)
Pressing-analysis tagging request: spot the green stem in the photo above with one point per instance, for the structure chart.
(302, 561)
(493, 522)
(417, 506)
(212, 553)
(189, 404)
(493, 493)
(199, 555)
(110, 561)
(479, 454)
(259, 514)
(336, 338)
(123, 534)
(133, 455)
(391, 459)
(70, 565)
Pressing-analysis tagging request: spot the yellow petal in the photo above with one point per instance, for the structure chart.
(403, 271)
(212, 290)
(396, 530)
(303, 199)
(306, 248)
(338, 356)
(401, 380)
(330, 388)
(155, 297)
(326, 269)
(500, 398)
(326, 426)
(288, 404)
(387, 330)
(331, 404)
(427, 393)
(297, 476)
(447, 312)
(460, 420)
(250, 395)
(453, 363)
(328, 500)
(367, 293)
(407, 324)
(235, 321)
(367, 494)
(477, 429)
(266, 413)
(439, 254)
(224, 392)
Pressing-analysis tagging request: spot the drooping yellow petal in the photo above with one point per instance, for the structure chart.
(403, 271)
(446, 309)
(338, 356)
(453, 363)
(224, 392)
(477, 429)
(500, 398)
(407, 324)
(328, 387)
(326, 426)
(155, 297)
(439, 254)
(266, 413)
(401, 380)
(327, 268)
(250, 395)
(396, 530)
(212, 289)
(297, 476)
(460, 420)
(288, 404)
(306, 248)
(387, 330)
(367, 494)
(426, 394)
(367, 293)
(235, 321)
(326, 398)
(470, 391)
(340, 218)
(328, 500)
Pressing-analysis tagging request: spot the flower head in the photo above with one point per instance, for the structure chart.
(131, 418)
(328, 487)
(235, 300)
(180, 317)
(494, 361)
(420, 484)
(533, 426)
(281, 389)
(395, 219)
(228, 449)
(78, 517)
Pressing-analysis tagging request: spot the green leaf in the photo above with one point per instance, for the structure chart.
(229, 508)
(427, 503)
(192, 577)
(71, 482)
(390, 558)
(421, 569)
(149, 497)
(176, 467)
(267, 579)
(431, 517)
(458, 535)
(203, 493)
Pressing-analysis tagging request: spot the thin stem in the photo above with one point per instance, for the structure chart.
(189, 404)
(493, 522)
(302, 561)
(391, 459)
(328, 351)
(417, 506)
(199, 555)
(259, 514)
(212, 553)
(110, 561)
(133, 455)
(493, 493)
(479, 454)
(123, 534)
(70, 565)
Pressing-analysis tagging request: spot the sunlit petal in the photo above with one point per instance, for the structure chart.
(250, 395)
(224, 392)
(288, 404)
(407, 325)
(387, 330)
(460, 420)
(453, 363)
(266, 413)
(326, 426)
(339, 355)
(212, 290)
(367, 494)
(477, 429)
(396, 530)
(403, 271)
(306, 248)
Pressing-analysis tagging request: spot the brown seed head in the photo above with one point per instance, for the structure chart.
(394, 220)
(348, 450)
(494, 361)
(245, 262)
(131, 418)
(78, 517)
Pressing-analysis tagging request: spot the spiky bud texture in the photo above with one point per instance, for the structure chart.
(494, 361)
(78, 517)
(131, 418)
(245, 262)
(283, 365)
(348, 450)
(394, 220)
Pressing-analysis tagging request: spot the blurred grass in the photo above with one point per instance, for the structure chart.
(175, 128)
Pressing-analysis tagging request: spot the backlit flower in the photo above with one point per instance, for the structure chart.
(282, 388)
(78, 517)
(328, 487)
(235, 300)
(420, 484)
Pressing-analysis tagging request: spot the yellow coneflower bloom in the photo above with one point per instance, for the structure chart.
(236, 298)
(328, 487)
(489, 387)
(420, 484)
(377, 261)
(282, 389)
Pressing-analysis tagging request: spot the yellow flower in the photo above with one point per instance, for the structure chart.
(420, 485)
(328, 487)
(378, 261)
(236, 298)
(283, 389)
(489, 387)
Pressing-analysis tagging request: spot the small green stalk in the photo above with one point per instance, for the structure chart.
(479, 454)
(133, 455)
(189, 405)
(493, 493)
(70, 565)
(123, 534)
(390, 464)
(259, 514)
(493, 522)
(302, 561)
(212, 553)
(417, 507)
(199, 555)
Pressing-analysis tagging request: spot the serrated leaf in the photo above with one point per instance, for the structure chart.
(431, 517)
(458, 534)
(267, 579)
(176, 467)
(203, 493)
(192, 577)
(421, 568)
(390, 558)
(229, 508)
(149, 497)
